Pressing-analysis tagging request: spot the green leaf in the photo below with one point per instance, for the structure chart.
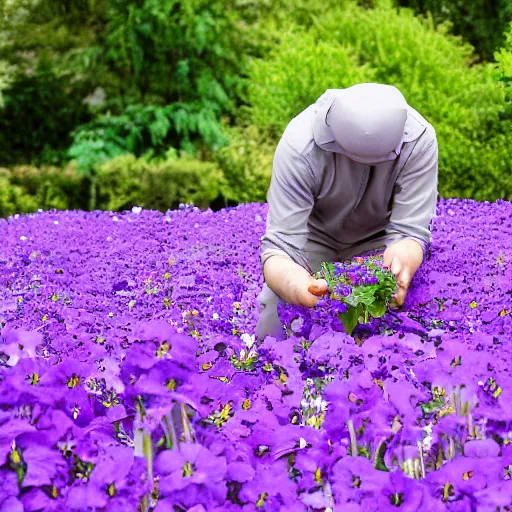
(363, 295)
(350, 319)
(377, 308)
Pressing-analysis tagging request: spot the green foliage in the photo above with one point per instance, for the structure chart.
(25, 189)
(174, 50)
(12, 198)
(37, 117)
(169, 72)
(140, 129)
(160, 185)
(177, 64)
(481, 22)
(366, 300)
(434, 71)
(6, 72)
(52, 187)
(504, 58)
(295, 74)
(42, 88)
(96, 80)
(120, 183)
(246, 164)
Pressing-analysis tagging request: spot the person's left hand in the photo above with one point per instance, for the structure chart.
(403, 258)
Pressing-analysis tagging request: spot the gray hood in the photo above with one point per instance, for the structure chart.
(368, 123)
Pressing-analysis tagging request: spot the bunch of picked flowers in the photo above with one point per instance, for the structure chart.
(359, 289)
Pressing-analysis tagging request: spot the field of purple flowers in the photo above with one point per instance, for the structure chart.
(130, 379)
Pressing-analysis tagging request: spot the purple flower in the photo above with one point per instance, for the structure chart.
(192, 465)
(8, 433)
(402, 492)
(42, 465)
(356, 479)
(19, 344)
(270, 484)
(119, 331)
(482, 448)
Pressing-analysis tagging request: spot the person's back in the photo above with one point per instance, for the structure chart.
(354, 172)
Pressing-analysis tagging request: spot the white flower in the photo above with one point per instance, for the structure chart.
(215, 316)
(136, 209)
(115, 219)
(304, 404)
(320, 404)
(427, 442)
(23, 238)
(55, 222)
(302, 443)
(247, 339)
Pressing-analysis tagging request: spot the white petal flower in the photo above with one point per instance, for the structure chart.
(247, 339)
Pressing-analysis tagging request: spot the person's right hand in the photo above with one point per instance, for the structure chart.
(317, 288)
(293, 283)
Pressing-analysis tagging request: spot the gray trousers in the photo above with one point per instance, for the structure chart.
(269, 323)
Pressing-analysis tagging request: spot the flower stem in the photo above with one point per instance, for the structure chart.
(170, 433)
(422, 459)
(353, 441)
(188, 433)
(377, 453)
(471, 433)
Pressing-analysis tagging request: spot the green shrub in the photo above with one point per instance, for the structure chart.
(37, 115)
(12, 198)
(160, 185)
(481, 22)
(504, 59)
(434, 71)
(295, 74)
(120, 183)
(246, 164)
(51, 187)
(143, 129)
(26, 189)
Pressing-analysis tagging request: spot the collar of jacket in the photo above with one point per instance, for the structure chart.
(415, 125)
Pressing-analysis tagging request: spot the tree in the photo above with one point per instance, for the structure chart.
(481, 22)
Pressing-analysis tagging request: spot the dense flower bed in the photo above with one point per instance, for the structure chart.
(129, 379)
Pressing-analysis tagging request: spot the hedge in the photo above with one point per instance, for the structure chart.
(117, 185)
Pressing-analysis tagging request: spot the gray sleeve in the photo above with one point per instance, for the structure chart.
(290, 200)
(415, 193)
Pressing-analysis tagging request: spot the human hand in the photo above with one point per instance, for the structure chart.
(403, 258)
(317, 288)
(293, 283)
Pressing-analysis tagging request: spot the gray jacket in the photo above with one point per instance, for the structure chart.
(320, 200)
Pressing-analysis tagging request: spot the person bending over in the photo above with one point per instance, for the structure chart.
(355, 172)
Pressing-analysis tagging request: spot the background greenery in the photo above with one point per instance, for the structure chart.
(112, 103)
